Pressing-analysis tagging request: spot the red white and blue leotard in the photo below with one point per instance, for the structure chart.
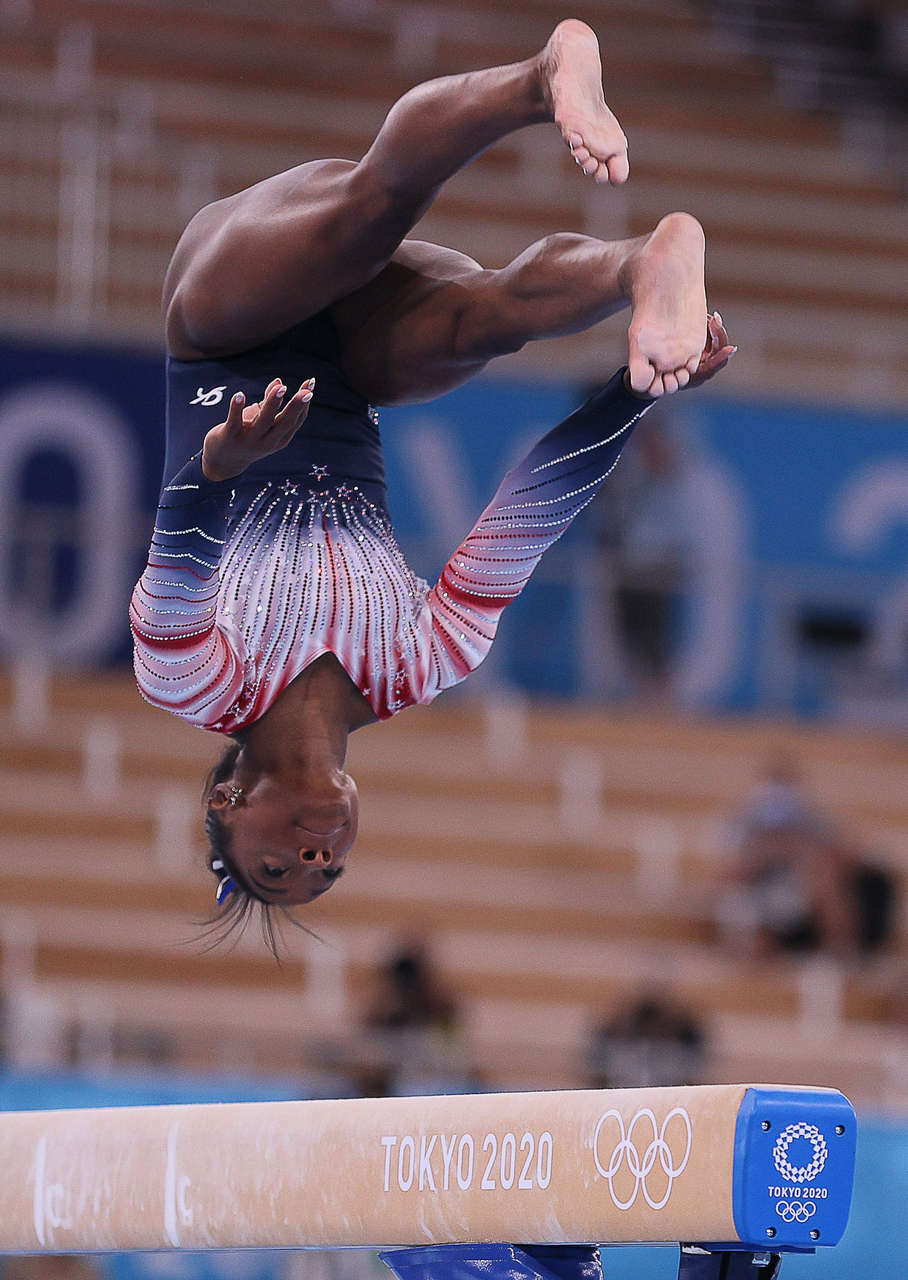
(250, 580)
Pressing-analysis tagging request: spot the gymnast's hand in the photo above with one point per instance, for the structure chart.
(254, 431)
(716, 354)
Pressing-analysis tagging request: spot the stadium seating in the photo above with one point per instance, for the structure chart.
(151, 110)
(537, 927)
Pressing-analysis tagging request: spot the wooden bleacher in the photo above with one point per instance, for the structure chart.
(538, 923)
(171, 106)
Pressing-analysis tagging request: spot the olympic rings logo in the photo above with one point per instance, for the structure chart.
(640, 1166)
(795, 1210)
(800, 1172)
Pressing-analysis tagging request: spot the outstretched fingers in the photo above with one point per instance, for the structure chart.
(271, 418)
(718, 350)
(278, 422)
(251, 432)
(289, 420)
(233, 423)
(260, 418)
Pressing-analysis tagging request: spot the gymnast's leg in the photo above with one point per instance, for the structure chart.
(436, 333)
(256, 263)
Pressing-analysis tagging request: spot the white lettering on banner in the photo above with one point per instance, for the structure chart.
(407, 1148)
(177, 1209)
(429, 1160)
(798, 1193)
(388, 1143)
(425, 1167)
(508, 1160)
(88, 428)
(52, 1203)
(447, 1154)
(465, 1169)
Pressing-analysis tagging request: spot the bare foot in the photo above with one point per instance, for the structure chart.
(572, 76)
(664, 279)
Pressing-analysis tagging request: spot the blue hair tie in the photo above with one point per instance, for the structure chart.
(226, 886)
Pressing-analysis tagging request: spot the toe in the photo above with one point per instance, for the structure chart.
(602, 175)
(682, 376)
(669, 383)
(641, 372)
(590, 165)
(618, 168)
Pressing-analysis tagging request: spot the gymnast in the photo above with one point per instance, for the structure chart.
(276, 607)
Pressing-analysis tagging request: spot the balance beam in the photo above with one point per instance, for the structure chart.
(747, 1166)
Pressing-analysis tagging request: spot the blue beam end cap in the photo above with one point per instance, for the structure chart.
(793, 1167)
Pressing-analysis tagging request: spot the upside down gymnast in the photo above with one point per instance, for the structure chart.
(276, 607)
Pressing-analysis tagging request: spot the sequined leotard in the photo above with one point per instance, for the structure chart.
(250, 580)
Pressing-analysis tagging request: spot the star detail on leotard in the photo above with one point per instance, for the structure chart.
(318, 472)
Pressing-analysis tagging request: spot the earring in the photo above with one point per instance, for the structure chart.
(235, 793)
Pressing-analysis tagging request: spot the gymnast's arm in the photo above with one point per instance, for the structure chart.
(183, 660)
(535, 503)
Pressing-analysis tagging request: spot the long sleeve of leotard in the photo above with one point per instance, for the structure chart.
(534, 505)
(185, 660)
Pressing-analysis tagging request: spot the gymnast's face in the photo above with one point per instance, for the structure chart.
(290, 844)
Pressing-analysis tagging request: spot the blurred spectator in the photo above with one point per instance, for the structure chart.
(102, 1047)
(871, 29)
(643, 526)
(652, 1041)
(795, 884)
(411, 995)
(414, 1028)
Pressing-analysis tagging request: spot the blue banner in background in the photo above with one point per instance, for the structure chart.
(785, 526)
(821, 503)
(80, 467)
(791, 523)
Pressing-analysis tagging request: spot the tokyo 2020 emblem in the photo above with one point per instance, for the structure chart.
(646, 1150)
(800, 1172)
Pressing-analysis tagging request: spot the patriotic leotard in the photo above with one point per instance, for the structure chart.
(250, 580)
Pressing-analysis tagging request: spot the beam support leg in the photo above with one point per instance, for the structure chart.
(715, 1264)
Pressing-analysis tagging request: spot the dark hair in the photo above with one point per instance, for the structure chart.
(239, 905)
